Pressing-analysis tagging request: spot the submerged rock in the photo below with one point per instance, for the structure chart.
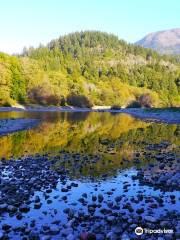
(150, 219)
(24, 208)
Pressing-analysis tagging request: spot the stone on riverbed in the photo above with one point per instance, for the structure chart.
(70, 237)
(11, 208)
(150, 219)
(24, 208)
(37, 205)
(54, 230)
(100, 197)
(108, 212)
(3, 207)
(1, 235)
(110, 219)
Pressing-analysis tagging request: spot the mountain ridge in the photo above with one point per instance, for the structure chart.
(89, 68)
(164, 42)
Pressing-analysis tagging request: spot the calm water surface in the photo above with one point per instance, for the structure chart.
(115, 138)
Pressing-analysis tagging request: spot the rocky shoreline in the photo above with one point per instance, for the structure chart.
(167, 115)
(36, 188)
(14, 125)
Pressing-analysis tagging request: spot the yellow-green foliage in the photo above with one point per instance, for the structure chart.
(57, 135)
(93, 67)
(125, 132)
(12, 81)
(5, 79)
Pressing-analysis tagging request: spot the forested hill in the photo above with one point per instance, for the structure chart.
(90, 68)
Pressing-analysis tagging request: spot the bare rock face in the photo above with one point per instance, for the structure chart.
(165, 42)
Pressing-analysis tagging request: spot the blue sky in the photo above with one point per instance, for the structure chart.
(31, 22)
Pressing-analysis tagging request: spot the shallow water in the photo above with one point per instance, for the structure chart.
(85, 132)
(111, 142)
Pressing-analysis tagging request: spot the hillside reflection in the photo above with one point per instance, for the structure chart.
(115, 138)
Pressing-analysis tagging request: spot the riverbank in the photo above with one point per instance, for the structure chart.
(94, 177)
(167, 115)
(14, 125)
(170, 116)
(41, 200)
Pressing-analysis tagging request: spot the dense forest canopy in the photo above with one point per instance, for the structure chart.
(90, 68)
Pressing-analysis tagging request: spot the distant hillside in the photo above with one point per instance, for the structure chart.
(165, 42)
(90, 68)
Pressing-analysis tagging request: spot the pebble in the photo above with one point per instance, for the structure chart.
(98, 213)
(24, 208)
(150, 219)
(100, 197)
(125, 236)
(70, 237)
(54, 230)
(111, 219)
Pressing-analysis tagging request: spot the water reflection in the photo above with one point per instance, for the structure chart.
(116, 138)
(100, 153)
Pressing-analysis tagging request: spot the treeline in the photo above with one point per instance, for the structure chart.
(89, 68)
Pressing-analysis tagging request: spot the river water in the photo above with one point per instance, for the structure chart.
(106, 146)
